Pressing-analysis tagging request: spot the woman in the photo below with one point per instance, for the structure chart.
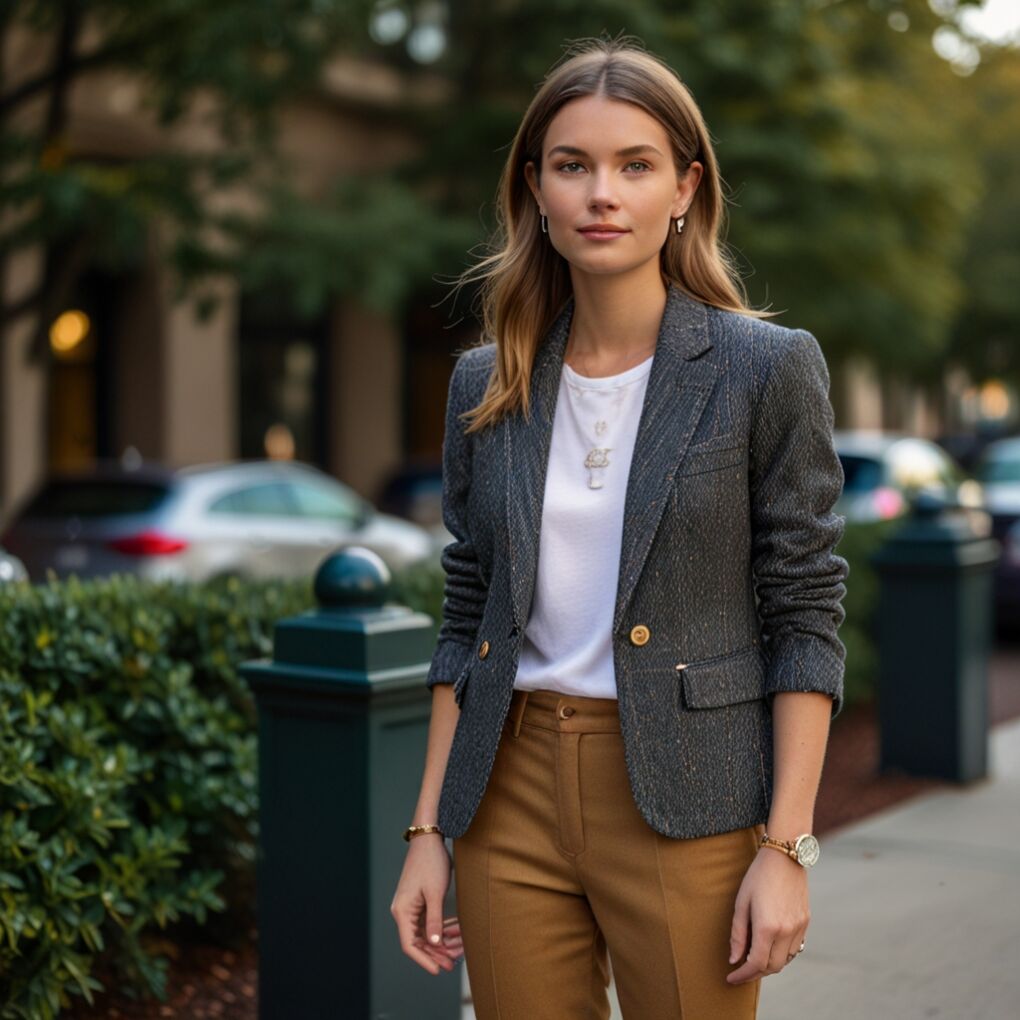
(638, 659)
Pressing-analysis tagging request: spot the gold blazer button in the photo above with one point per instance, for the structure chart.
(640, 634)
(484, 650)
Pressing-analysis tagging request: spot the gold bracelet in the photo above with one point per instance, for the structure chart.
(419, 830)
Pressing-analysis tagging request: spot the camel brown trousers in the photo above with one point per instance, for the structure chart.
(558, 866)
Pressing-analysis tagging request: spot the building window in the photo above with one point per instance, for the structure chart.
(284, 381)
(80, 412)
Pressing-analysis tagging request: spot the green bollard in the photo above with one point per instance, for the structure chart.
(343, 715)
(935, 627)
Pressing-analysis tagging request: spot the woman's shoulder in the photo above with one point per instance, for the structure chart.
(471, 373)
(763, 343)
(738, 327)
(480, 357)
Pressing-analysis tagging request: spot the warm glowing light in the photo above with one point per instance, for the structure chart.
(994, 399)
(279, 442)
(68, 330)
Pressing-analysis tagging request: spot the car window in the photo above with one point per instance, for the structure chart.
(860, 474)
(268, 499)
(999, 469)
(325, 502)
(96, 498)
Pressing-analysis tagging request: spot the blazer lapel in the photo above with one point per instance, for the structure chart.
(678, 389)
(675, 397)
(527, 459)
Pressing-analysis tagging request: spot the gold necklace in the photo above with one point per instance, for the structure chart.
(597, 458)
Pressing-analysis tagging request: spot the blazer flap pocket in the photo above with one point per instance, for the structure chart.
(712, 454)
(727, 680)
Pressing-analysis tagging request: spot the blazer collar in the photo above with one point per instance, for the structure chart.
(677, 390)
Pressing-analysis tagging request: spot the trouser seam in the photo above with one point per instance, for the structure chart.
(669, 929)
(489, 910)
(594, 967)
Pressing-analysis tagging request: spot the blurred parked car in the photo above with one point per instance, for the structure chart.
(253, 519)
(884, 470)
(966, 448)
(998, 470)
(11, 568)
(415, 492)
(1007, 581)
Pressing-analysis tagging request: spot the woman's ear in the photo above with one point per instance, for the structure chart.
(531, 176)
(686, 186)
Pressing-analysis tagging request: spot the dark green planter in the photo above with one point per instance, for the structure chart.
(935, 628)
(343, 716)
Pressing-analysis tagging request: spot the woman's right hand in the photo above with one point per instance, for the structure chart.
(417, 906)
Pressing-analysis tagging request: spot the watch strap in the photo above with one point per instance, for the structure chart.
(784, 846)
(790, 847)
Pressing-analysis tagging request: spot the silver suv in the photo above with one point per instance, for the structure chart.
(252, 519)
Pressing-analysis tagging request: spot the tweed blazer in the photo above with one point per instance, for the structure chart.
(729, 589)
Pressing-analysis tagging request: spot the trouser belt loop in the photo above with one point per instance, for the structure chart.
(522, 700)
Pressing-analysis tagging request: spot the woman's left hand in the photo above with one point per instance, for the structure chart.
(771, 916)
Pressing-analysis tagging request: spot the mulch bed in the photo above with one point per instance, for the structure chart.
(209, 981)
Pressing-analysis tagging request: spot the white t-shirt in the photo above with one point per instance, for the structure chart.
(567, 642)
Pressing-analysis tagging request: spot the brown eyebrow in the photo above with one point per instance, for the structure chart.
(634, 150)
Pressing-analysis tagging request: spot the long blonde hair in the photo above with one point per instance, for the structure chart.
(525, 283)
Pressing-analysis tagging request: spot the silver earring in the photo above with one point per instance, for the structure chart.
(680, 225)
(545, 223)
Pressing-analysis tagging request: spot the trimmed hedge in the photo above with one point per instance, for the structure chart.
(858, 632)
(128, 796)
(127, 772)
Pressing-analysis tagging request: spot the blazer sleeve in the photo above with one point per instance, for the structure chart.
(464, 592)
(795, 479)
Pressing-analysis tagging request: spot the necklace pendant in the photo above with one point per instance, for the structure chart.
(596, 460)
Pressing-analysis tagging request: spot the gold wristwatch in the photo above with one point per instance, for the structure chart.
(804, 849)
(418, 830)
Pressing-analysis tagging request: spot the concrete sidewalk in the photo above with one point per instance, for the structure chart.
(915, 911)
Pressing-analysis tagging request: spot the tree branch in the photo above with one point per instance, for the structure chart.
(76, 64)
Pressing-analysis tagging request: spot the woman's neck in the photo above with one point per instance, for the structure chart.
(615, 324)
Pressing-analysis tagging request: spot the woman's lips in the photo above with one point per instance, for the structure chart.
(603, 235)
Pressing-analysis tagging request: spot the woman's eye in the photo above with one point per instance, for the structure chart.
(573, 162)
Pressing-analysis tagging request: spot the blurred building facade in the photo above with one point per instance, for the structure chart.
(133, 370)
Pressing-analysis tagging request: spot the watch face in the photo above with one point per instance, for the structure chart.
(807, 850)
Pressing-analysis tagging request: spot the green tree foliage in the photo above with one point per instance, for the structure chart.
(837, 125)
(986, 337)
(850, 197)
(223, 68)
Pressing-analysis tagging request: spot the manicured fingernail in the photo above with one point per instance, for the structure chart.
(434, 938)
